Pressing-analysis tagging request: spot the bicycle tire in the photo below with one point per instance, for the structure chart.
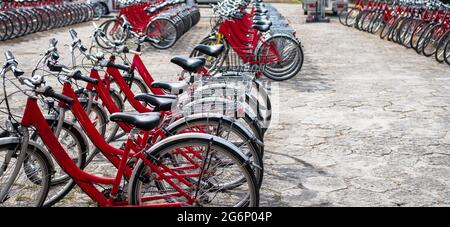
(45, 165)
(440, 50)
(170, 36)
(421, 40)
(352, 15)
(283, 73)
(196, 121)
(343, 14)
(9, 25)
(3, 28)
(430, 45)
(162, 150)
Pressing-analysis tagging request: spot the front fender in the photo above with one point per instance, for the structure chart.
(194, 137)
(35, 146)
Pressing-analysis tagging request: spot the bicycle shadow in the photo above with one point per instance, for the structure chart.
(310, 79)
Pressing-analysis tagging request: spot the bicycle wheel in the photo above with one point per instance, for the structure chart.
(75, 144)
(228, 129)
(440, 49)
(432, 40)
(3, 28)
(77, 13)
(399, 29)
(35, 20)
(20, 23)
(358, 19)
(53, 17)
(163, 30)
(250, 119)
(402, 30)
(406, 40)
(67, 15)
(9, 25)
(387, 28)
(39, 19)
(114, 33)
(59, 17)
(290, 57)
(365, 20)
(207, 164)
(32, 182)
(28, 20)
(447, 53)
(375, 23)
(394, 29)
(423, 37)
(343, 15)
(418, 30)
(352, 16)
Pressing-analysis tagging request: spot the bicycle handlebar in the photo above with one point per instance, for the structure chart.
(12, 64)
(77, 75)
(35, 82)
(53, 42)
(73, 34)
(49, 92)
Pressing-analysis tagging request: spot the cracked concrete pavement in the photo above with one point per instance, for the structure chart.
(365, 123)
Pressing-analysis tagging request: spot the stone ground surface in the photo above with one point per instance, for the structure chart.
(365, 123)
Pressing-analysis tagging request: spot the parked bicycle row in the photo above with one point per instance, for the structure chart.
(279, 23)
(19, 18)
(195, 142)
(422, 26)
(260, 41)
(165, 21)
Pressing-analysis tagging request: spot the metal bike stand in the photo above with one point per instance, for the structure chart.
(319, 14)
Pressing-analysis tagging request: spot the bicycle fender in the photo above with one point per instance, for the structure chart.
(17, 140)
(188, 137)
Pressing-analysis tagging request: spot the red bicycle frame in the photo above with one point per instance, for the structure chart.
(138, 65)
(34, 117)
(245, 39)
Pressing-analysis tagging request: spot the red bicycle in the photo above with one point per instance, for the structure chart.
(256, 102)
(227, 128)
(160, 169)
(249, 48)
(165, 21)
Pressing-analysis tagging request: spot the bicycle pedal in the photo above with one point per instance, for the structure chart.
(121, 196)
(107, 192)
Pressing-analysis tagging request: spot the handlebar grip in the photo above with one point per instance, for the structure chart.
(122, 67)
(128, 50)
(119, 66)
(12, 61)
(134, 52)
(49, 92)
(54, 67)
(9, 56)
(53, 42)
(83, 48)
(73, 33)
(16, 71)
(79, 76)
